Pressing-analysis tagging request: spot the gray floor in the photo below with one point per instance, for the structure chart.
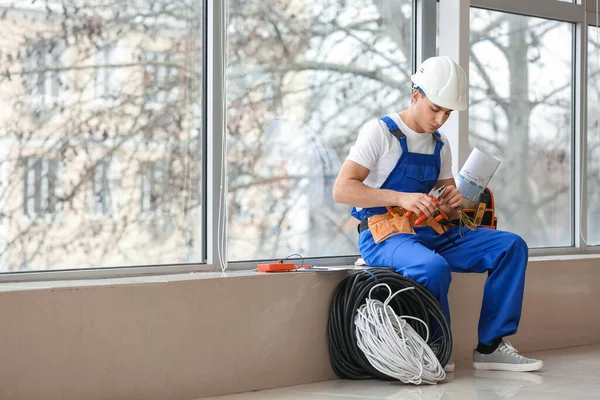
(572, 374)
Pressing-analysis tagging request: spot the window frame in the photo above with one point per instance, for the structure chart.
(41, 187)
(214, 168)
(102, 203)
(563, 249)
(46, 85)
(213, 42)
(578, 15)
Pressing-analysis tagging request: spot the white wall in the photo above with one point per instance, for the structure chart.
(191, 337)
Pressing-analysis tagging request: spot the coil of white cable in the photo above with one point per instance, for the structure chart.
(392, 346)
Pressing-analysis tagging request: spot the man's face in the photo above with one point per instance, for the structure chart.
(430, 117)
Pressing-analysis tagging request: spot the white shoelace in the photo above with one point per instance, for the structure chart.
(508, 348)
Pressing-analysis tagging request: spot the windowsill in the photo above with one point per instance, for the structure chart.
(196, 275)
(564, 257)
(164, 279)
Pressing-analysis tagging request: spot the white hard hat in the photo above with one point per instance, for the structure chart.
(444, 82)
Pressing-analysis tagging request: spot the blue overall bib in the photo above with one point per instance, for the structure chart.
(429, 258)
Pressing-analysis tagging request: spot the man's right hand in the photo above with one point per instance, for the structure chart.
(418, 203)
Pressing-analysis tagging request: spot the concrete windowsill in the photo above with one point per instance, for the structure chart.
(179, 277)
(152, 279)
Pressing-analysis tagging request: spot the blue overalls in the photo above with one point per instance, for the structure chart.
(429, 258)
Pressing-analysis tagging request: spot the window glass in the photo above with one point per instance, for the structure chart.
(303, 77)
(98, 102)
(520, 79)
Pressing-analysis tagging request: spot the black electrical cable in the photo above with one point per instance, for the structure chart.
(347, 360)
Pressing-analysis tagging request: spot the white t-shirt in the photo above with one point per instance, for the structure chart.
(379, 151)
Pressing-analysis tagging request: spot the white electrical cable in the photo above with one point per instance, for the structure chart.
(597, 124)
(190, 68)
(392, 346)
(222, 217)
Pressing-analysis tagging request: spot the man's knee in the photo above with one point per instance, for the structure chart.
(516, 244)
(432, 272)
(519, 243)
(438, 270)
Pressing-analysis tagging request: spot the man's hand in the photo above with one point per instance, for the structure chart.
(418, 203)
(452, 197)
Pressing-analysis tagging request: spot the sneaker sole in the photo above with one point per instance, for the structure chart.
(513, 377)
(489, 366)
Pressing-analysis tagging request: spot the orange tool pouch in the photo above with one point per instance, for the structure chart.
(484, 212)
(383, 226)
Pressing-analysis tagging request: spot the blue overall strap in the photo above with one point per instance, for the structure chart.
(439, 143)
(392, 127)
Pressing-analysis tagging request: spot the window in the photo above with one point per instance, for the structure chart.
(155, 207)
(154, 183)
(107, 85)
(126, 82)
(521, 111)
(160, 78)
(299, 88)
(45, 79)
(101, 190)
(70, 193)
(40, 186)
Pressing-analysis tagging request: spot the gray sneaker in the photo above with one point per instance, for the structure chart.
(505, 358)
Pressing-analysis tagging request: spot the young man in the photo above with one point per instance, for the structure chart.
(396, 161)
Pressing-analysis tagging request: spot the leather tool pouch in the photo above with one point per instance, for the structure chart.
(386, 225)
(383, 226)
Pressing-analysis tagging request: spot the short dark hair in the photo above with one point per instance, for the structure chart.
(415, 87)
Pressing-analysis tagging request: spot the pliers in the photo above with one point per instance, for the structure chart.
(435, 195)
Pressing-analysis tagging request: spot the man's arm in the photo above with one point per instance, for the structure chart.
(350, 189)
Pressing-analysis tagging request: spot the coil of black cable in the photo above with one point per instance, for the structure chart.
(347, 360)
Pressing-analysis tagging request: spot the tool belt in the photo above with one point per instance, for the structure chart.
(394, 222)
(383, 226)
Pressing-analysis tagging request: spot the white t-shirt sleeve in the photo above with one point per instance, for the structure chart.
(445, 160)
(369, 145)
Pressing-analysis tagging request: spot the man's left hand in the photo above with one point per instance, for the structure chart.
(452, 197)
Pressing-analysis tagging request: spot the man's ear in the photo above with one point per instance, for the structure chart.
(415, 96)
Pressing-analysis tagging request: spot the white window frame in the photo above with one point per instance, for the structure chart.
(215, 212)
(213, 129)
